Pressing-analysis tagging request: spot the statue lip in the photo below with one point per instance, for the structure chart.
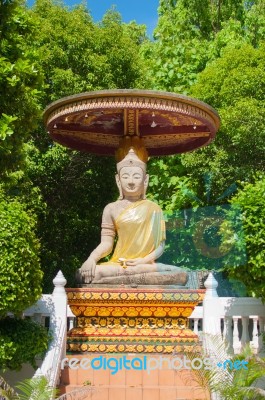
(95, 122)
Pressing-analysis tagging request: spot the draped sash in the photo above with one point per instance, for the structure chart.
(140, 229)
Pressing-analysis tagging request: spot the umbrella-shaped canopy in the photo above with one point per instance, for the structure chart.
(167, 123)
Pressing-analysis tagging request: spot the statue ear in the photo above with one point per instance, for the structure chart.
(118, 182)
(146, 181)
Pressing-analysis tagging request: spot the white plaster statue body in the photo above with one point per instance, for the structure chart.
(140, 227)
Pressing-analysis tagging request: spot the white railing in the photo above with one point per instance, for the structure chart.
(55, 307)
(237, 320)
(58, 355)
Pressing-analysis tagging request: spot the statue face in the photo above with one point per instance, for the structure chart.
(132, 180)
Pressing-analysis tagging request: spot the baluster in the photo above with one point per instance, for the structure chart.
(211, 319)
(70, 318)
(196, 322)
(37, 317)
(261, 333)
(245, 335)
(43, 320)
(71, 322)
(224, 328)
(255, 338)
(236, 341)
(228, 334)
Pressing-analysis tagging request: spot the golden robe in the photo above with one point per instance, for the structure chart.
(140, 229)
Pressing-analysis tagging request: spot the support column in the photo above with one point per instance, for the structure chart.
(211, 320)
(261, 332)
(245, 334)
(228, 334)
(255, 338)
(236, 341)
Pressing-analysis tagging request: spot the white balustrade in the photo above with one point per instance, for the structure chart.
(55, 307)
(235, 319)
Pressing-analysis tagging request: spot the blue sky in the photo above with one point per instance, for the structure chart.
(142, 11)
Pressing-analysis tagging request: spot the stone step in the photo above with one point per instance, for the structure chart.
(122, 392)
(163, 369)
(164, 384)
(137, 333)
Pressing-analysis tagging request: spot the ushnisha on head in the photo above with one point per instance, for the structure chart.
(131, 160)
(132, 180)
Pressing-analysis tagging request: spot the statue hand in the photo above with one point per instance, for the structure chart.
(87, 271)
(135, 261)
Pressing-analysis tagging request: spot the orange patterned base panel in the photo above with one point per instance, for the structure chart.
(85, 297)
(173, 334)
(120, 346)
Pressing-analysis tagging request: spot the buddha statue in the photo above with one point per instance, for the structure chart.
(139, 227)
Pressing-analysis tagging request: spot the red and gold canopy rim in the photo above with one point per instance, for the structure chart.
(167, 123)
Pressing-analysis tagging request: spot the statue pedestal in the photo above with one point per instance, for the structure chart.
(126, 320)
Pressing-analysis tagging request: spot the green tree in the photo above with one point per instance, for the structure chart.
(76, 187)
(230, 85)
(167, 184)
(190, 34)
(104, 56)
(21, 341)
(251, 200)
(20, 83)
(20, 285)
(20, 280)
(212, 51)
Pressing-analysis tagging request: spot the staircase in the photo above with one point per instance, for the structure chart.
(158, 384)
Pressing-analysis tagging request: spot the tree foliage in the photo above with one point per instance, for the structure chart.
(20, 279)
(21, 86)
(21, 340)
(20, 83)
(75, 187)
(230, 85)
(104, 56)
(251, 199)
(190, 34)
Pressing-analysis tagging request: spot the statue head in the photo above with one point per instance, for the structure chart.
(132, 179)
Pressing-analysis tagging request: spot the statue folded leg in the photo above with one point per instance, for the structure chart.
(143, 274)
